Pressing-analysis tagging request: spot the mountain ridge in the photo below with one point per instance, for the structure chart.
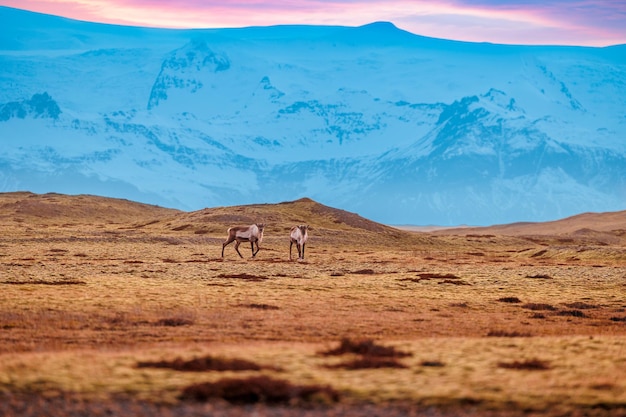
(424, 131)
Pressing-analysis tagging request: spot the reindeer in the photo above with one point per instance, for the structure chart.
(252, 234)
(299, 235)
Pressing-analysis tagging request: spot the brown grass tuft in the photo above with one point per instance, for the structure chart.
(244, 276)
(364, 272)
(206, 363)
(43, 282)
(539, 306)
(529, 364)
(572, 313)
(259, 389)
(434, 275)
(169, 261)
(446, 278)
(261, 306)
(505, 333)
(509, 300)
(463, 304)
(368, 362)
(539, 276)
(366, 347)
(454, 282)
(434, 364)
(174, 322)
(581, 306)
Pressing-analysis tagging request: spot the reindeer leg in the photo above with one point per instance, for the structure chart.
(303, 251)
(228, 242)
(237, 248)
(290, 246)
(257, 248)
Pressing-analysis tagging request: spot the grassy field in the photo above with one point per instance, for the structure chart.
(107, 302)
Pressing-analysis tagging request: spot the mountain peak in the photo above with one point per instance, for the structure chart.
(380, 26)
(380, 32)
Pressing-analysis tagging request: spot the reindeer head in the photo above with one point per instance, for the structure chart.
(261, 227)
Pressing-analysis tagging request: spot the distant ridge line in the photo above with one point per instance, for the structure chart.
(283, 214)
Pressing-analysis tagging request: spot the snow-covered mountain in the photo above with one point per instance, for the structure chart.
(400, 128)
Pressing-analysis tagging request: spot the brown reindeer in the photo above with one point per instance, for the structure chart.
(252, 234)
(299, 235)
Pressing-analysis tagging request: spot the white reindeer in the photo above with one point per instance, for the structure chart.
(299, 235)
(252, 234)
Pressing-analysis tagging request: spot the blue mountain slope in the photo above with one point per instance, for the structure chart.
(373, 119)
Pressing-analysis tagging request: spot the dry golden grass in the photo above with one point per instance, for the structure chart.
(91, 287)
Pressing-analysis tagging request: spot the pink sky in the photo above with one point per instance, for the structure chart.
(560, 22)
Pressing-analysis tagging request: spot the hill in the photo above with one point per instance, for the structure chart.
(18, 208)
(281, 217)
(21, 210)
(52, 209)
(603, 228)
(614, 222)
